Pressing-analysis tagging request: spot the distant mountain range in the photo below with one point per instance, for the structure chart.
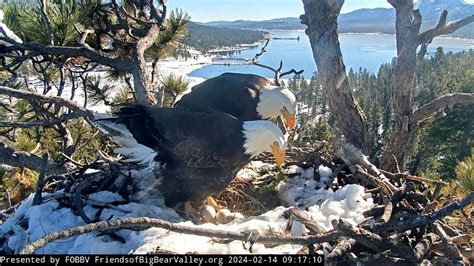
(380, 20)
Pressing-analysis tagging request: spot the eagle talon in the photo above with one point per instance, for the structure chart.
(212, 202)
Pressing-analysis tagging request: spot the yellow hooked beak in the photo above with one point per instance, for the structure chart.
(278, 153)
(290, 119)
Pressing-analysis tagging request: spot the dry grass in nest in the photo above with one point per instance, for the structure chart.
(237, 198)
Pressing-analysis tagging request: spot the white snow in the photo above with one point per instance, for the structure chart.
(325, 174)
(349, 202)
(182, 67)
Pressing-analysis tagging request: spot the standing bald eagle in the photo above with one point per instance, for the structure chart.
(245, 96)
(201, 152)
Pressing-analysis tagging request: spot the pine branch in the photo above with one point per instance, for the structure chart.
(45, 123)
(33, 96)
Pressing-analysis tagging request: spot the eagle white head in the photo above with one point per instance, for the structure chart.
(264, 136)
(276, 101)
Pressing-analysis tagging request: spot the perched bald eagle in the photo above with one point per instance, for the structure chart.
(200, 152)
(245, 96)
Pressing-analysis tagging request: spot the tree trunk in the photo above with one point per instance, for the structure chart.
(407, 120)
(321, 18)
(141, 82)
(402, 101)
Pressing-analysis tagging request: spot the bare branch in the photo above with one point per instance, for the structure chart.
(292, 71)
(413, 178)
(145, 222)
(12, 157)
(276, 71)
(342, 248)
(124, 65)
(429, 109)
(26, 95)
(442, 29)
(38, 199)
(46, 123)
(44, 13)
(420, 220)
(262, 51)
(375, 242)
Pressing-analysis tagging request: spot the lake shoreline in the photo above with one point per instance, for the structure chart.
(374, 33)
(360, 50)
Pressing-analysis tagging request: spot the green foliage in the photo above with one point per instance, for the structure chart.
(123, 95)
(465, 173)
(205, 38)
(173, 86)
(315, 130)
(15, 185)
(444, 142)
(168, 40)
(439, 145)
(26, 20)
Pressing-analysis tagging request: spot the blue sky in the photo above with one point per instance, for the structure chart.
(211, 10)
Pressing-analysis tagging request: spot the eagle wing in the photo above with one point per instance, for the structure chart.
(199, 139)
(205, 140)
(232, 93)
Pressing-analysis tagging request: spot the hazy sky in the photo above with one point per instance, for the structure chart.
(210, 10)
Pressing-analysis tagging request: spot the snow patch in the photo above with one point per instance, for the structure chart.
(323, 205)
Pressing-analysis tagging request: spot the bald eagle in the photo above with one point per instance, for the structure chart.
(200, 152)
(245, 96)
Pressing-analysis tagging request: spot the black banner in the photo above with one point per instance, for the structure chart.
(160, 259)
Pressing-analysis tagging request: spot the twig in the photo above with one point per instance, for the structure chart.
(27, 95)
(46, 123)
(421, 220)
(12, 157)
(413, 178)
(276, 71)
(44, 13)
(145, 222)
(387, 213)
(424, 246)
(375, 242)
(341, 250)
(38, 199)
(78, 200)
(388, 188)
(450, 249)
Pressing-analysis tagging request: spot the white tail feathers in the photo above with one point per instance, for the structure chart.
(129, 147)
